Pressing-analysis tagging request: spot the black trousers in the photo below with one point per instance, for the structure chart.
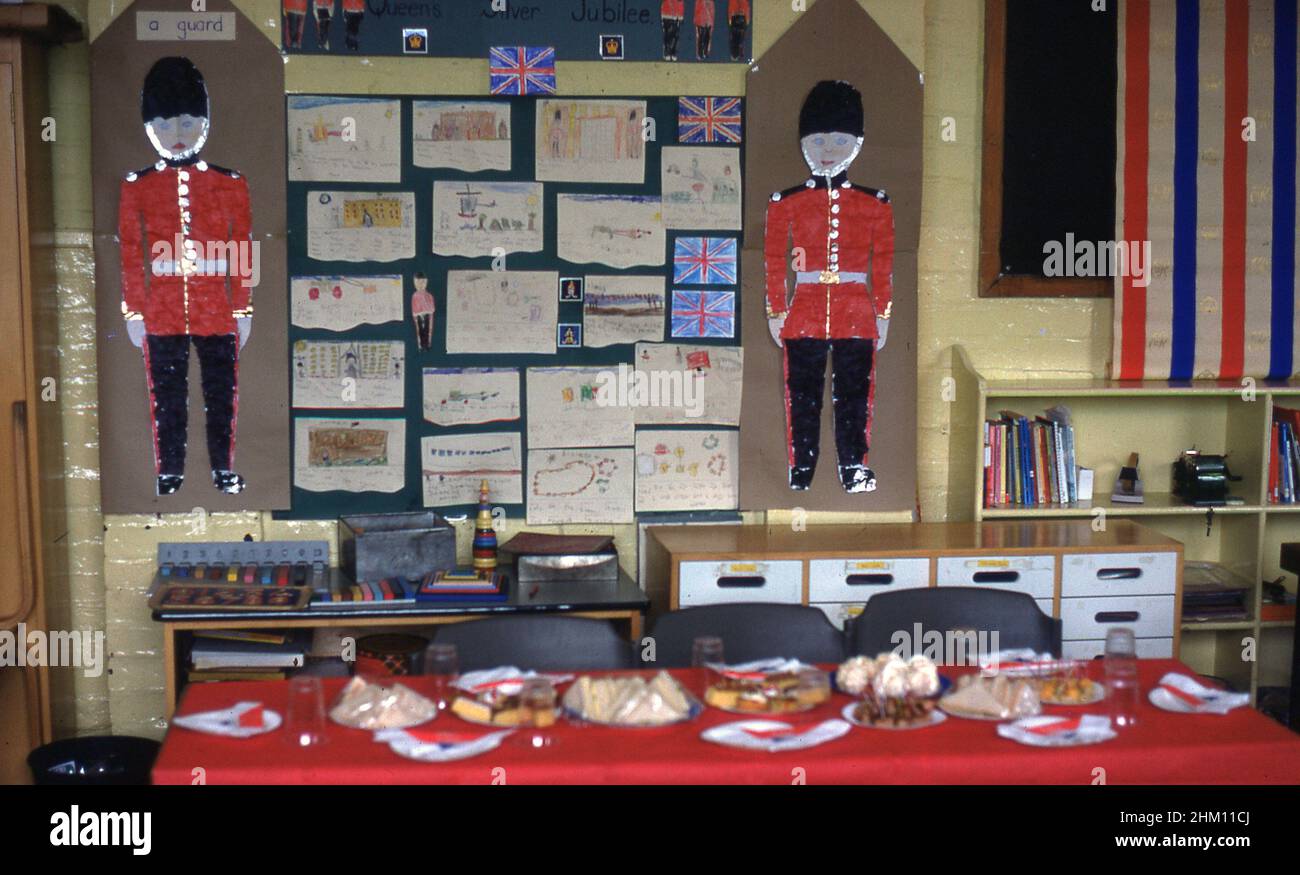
(805, 382)
(703, 41)
(167, 359)
(672, 33)
(738, 27)
(352, 21)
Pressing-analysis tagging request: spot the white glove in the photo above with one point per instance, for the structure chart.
(882, 332)
(774, 326)
(135, 331)
(244, 324)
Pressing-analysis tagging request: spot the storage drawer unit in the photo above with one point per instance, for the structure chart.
(1148, 616)
(857, 580)
(1119, 574)
(1032, 575)
(1124, 575)
(715, 583)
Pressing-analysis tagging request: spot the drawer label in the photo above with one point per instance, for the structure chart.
(741, 568)
(993, 563)
(867, 566)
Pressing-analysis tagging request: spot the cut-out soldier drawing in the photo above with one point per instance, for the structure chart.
(185, 227)
(839, 238)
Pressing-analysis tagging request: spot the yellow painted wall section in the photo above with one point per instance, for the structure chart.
(113, 556)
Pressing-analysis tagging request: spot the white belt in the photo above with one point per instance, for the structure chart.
(815, 277)
(201, 266)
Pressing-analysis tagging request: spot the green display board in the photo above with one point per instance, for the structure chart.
(662, 128)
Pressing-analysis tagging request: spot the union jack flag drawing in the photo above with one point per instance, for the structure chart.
(522, 69)
(705, 261)
(708, 120)
(704, 314)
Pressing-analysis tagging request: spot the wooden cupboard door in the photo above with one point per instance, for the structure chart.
(16, 580)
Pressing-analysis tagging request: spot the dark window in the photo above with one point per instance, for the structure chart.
(1049, 141)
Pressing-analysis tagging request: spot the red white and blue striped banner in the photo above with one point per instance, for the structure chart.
(1206, 172)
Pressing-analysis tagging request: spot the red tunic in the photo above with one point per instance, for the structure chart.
(161, 209)
(704, 13)
(672, 9)
(354, 5)
(738, 8)
(844, 231)
(298, 6)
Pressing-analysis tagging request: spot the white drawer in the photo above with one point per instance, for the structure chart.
(715, 583)
(1148, 617)
(1147, 648)
(841, 612)
(1111, 574)
(840, 580)
(1034, 575)
(1045, 605)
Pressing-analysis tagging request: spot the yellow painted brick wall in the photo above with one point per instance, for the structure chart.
(113, 555)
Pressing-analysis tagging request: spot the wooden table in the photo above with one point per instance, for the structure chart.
(621, 601)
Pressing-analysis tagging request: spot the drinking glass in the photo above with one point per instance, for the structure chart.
(304, 713)
(442, 663)
(1120, 664)
(814, 686)
(537, 713)
(706, 651)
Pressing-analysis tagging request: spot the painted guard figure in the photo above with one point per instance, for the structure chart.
(184, 227)
(841, 237)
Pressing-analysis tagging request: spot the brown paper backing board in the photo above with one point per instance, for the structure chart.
(245, 82)
(835, 39)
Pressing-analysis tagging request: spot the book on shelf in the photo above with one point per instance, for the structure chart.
(1284, 457)
(1030, 462)
(219, 654)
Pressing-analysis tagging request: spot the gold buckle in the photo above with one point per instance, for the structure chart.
(829, 278)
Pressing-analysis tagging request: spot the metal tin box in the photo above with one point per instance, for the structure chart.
(375, 546)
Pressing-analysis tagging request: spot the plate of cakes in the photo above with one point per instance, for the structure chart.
(767, 686)
(1070, 690)
(895, 693)
(491, 697)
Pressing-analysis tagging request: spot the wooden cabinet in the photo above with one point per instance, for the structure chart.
(1125, 575)
(30, 446)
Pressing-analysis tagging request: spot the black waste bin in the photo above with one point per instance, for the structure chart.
(94, 760)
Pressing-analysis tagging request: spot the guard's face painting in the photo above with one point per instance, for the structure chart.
(178, 137)
(830, 154)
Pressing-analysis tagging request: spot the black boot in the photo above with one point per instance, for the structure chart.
(801, 476)
(228, 482)
(169, 484)
(857, 478)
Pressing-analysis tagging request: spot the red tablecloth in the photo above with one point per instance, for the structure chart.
(1243, 747)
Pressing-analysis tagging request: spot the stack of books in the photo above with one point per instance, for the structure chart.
(1030, 463)
(1284, 457)
(245, 655)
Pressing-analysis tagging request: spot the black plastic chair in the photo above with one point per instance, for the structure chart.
(1015, 616)
(540, 642)
(748, 632)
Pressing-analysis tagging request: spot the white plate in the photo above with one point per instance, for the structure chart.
(1217, 702)
(271, 721)
(934, 718)
(1094, 731)
(1098, 693)
(735, 734)
(405, 745)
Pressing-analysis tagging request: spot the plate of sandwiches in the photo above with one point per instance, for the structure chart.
(992, 698)
(630, 701)
(492, 697)
(773, 686)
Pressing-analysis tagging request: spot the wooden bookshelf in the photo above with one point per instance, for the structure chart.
(1158, 420)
